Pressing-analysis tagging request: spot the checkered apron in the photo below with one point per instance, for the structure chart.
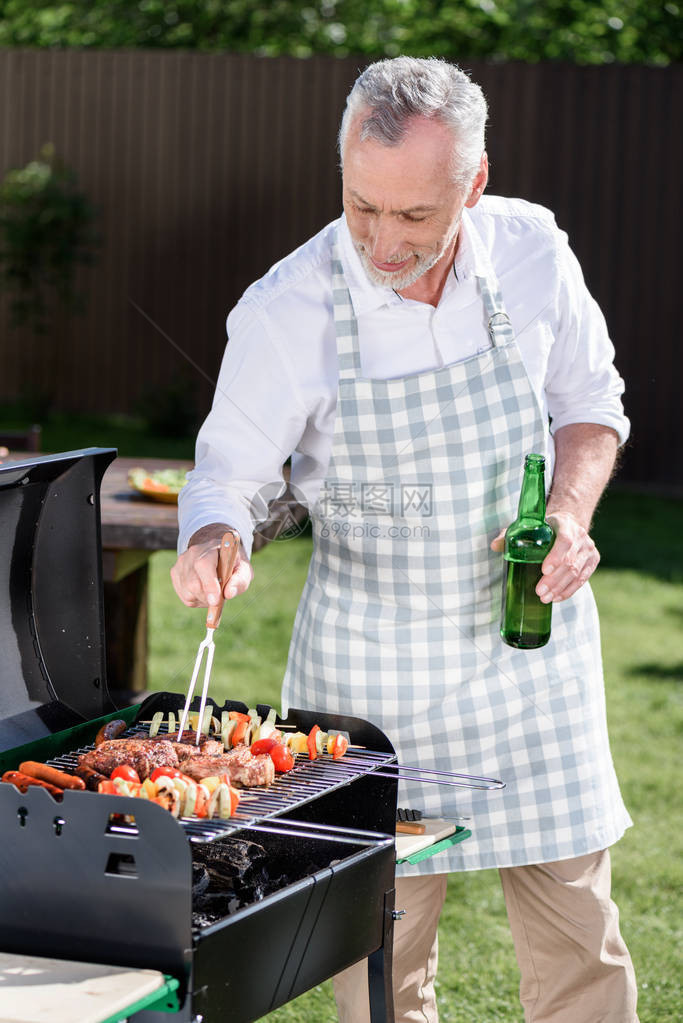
(399, 617)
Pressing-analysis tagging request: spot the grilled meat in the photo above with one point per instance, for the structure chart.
(188, 747)
(143, 754)
(241, 766)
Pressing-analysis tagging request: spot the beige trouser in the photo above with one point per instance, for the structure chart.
(575, 967)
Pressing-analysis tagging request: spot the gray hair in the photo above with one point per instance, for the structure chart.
(394, 91)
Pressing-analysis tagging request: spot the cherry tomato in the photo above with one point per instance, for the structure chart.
(282, 758)
(164, 772)
(107, 787)
(263, 746)
(126, 773)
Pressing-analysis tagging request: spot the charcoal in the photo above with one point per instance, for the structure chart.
(227, 875)
(200, 879)
(231, 873)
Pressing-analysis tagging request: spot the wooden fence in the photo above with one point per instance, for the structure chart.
(206, 169)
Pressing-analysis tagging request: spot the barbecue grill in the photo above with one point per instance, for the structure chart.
(107, 879)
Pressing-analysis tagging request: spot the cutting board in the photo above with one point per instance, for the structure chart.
(37, 990)
(435, 830)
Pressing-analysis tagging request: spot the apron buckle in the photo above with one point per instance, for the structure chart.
(497, 324)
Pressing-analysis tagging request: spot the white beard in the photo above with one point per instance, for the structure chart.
(401, 279)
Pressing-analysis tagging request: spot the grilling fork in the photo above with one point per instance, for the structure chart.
(226, 561)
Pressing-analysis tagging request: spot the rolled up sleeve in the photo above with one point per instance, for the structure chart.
(582, 383)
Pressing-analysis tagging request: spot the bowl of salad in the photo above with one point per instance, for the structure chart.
(162, 485)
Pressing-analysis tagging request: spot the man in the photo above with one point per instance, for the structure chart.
(408, 357)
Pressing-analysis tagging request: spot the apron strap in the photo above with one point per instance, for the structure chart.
(345, 325)
(499, 325)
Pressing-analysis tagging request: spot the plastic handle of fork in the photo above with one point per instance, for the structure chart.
(227, 555)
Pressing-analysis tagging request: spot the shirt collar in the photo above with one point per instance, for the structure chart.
(471, 260)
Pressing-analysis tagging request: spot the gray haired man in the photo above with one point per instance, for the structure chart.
(421, 345)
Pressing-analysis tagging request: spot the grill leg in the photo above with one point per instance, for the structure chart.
(379, 968)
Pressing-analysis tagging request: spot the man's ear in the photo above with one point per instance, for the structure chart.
(479, 183)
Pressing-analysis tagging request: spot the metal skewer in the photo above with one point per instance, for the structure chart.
(469, 781)
(487, 783)
(226, 561)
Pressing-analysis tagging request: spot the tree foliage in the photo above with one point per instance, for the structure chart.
(579, 31)
(46, 232)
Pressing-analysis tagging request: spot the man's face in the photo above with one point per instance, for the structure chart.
(402, 206)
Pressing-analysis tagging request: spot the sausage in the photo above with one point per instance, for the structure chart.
(90, 776)
(23, 781)
(51, 775)
(111, 730)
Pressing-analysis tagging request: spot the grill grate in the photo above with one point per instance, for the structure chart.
(308, 780)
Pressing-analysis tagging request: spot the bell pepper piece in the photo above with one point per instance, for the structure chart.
(311, 743)
(211, 783)
(339, 747)
(263, 746)
(297, 742)
(239, 732)
(201, 808)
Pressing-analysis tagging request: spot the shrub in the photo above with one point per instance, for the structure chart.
(46, 232)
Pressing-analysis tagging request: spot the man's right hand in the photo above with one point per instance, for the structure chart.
(195, 573)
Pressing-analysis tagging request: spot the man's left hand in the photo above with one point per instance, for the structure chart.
(571, 562)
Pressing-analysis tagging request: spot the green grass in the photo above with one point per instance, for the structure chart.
(252, 642)
(639, 589)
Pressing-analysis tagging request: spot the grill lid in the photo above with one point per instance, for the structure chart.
(52, 669)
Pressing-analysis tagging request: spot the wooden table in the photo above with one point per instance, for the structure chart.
(130, 521)
(133, 527)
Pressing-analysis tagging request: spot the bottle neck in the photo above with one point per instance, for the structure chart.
(532, 497)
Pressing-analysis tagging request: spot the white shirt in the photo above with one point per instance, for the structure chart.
(277, 388)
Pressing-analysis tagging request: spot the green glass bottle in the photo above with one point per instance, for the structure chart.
(525, 621)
